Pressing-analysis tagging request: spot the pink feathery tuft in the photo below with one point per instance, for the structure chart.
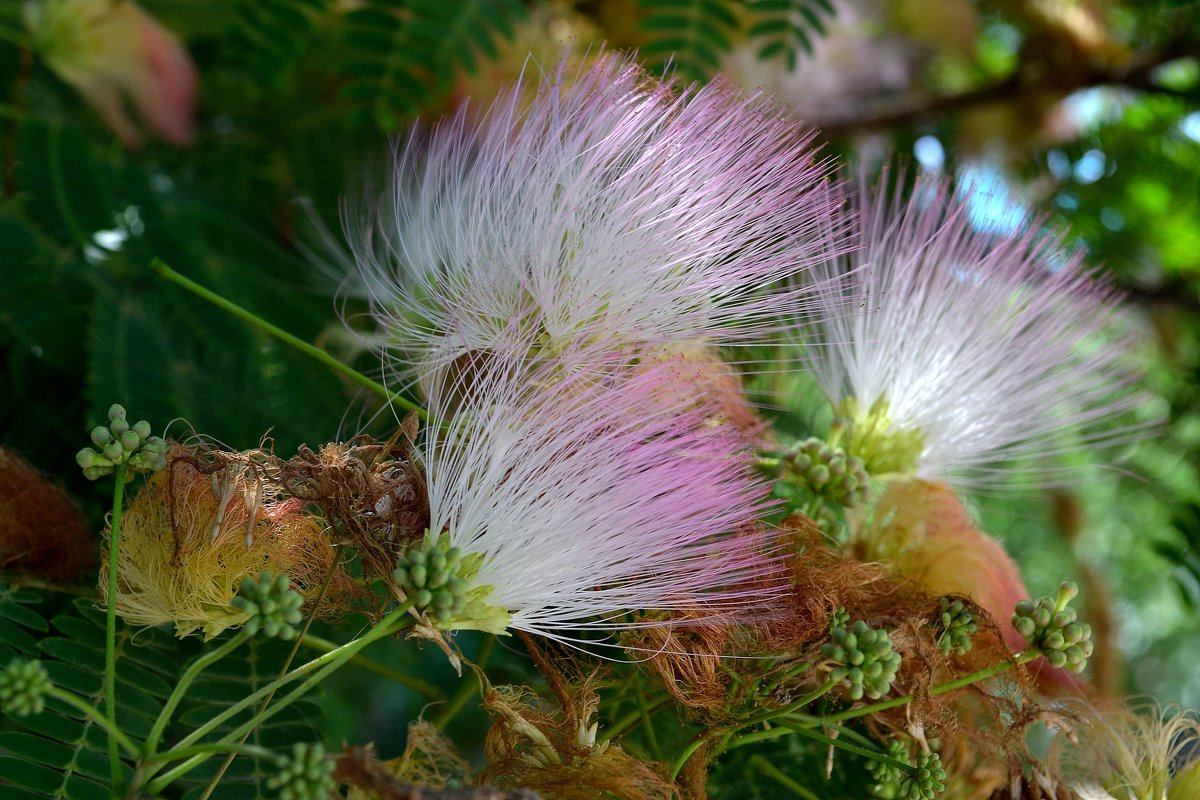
(602, 204)
(592, 493)
(990, 346)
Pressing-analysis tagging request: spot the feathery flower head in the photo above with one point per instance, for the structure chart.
(573, 493)
(600, 205)
(197, 529)
(111, 51)
(970, 347)
(1131, 753)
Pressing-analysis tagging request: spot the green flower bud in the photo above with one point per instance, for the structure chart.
(863, 657)
(1050, 628)
(827, 472)
(273, 607)
(888, 778)
(130, 441)
(926, 781)
(115, 412)
(101, 436)
(142, 429)
(437, 578)
(305, 774)
(23, 687)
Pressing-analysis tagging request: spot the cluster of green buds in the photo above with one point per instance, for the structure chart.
(122, 443)
(888, 777)
(305, 774)
(23, 687)
(922, 781)
(927, 779)
(956, 625)
(827, 471)
(840, 618)
(863, 660)
(1050, 628)
(273, 606)
(437, 577)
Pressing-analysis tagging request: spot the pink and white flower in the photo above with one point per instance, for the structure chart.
(602, 205)
(113, 52)
(582, 496)
(970, 347)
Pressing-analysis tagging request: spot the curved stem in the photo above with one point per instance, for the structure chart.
(957, 683)
(432, 692)
(185, 681)
(110, 626)
(632, 719)
(93, 714)
(228, 740)
(323, 665)
(279, 333)
(776, 774)
(468, 688)
(215, 748)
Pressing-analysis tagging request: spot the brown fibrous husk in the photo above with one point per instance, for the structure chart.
(42, 531)
(539, 746)
(201, 525)
(373, 493)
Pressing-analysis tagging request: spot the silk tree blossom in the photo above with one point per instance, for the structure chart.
(970, 347)
(570, 500)
(112, 51)
(601, 204)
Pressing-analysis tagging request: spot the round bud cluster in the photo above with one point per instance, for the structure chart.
(957, 626)
(840, 618)
(926, 780)
(274, 608)
(433, 575)
(122, 443)
(828, 471)
(888, 777)
(23, 687)
(863, 660)
(1050, 628)
(304, 775)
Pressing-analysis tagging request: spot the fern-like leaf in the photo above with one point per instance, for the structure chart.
(60, 754)
(784, 28)
(406, 54)
(268, 37)
(242, 673)
(690, 35)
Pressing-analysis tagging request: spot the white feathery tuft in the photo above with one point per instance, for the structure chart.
(591, 495)
(992, 346)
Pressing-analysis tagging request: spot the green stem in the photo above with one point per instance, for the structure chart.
(766, 716)
(467, 690)
(110, 626)
(15, 37)
(315, 352)
(93, 713)
(313, 642)
(190, 675)
(651, 739)
(957, 683)
(874, 755)
(791, 707)
(287, 664)
(196, 760)
(631, 720)
(323, 665)
(688, 752)
(215, 748)
(773, 772)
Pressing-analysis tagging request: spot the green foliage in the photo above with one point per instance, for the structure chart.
(405, 55)
(59, 754)
(245, 671)
(267, 39)
(690, 35)
(785, 28)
